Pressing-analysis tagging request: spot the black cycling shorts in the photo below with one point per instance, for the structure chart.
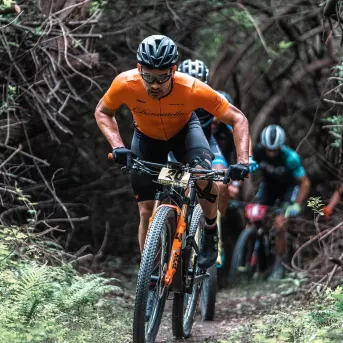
(268, 194)
(190, 143)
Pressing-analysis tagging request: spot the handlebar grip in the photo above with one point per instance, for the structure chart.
(110, 156)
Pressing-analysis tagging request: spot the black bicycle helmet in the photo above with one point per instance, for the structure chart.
(273, 137)
(226, 96)
(195, 68)
(158, 52)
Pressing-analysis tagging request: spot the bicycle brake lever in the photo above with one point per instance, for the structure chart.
(226, 178)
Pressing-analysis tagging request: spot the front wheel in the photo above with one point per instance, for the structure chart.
(242, 254)
(185, 305)
(150, 290)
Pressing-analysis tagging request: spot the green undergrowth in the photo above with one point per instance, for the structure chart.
(321, 323)
(45, 302)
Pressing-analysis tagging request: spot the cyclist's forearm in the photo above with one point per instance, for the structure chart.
(109, 128)
(303, 190)
(240, 127)
(250, 146)
(334, 199)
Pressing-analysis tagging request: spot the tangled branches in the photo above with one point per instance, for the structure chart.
(47, 54)
(320, 255)
(43, 55)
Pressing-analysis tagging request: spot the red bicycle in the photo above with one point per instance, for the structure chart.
(253, 250)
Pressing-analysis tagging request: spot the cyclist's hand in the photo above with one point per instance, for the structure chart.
(236, 172)
(253, 166)
(327, 211)
(122, 156)
(293, 210)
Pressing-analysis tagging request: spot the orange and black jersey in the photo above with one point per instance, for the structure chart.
(164, 118)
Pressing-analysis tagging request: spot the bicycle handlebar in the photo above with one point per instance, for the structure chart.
(136, 161)
(239, 204)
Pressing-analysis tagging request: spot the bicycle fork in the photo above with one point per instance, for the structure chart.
(177, 245)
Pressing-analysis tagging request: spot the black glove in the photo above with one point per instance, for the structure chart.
(236, 172)
(123, 156)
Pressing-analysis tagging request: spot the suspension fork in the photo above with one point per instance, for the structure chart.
(181, 238)
(176, 250)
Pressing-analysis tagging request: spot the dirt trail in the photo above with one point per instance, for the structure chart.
(234, 308)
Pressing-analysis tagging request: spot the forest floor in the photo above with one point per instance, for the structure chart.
(236, 309)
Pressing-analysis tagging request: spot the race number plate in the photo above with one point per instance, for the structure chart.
(173, 176)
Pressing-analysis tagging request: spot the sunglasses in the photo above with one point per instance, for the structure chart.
(156, 78)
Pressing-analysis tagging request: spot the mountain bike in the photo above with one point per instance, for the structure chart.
(169, 260)
(253, 250)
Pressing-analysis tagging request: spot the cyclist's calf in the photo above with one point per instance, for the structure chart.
(145, 212)
(281, 238)
(280, 223)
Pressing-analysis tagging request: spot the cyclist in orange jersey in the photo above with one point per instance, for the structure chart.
(162, 102)
(334, 200)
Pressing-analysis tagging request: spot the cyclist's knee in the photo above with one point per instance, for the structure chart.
(206, 189)
(200, 163)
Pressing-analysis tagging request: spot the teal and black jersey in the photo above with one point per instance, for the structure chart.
(283, 170)
(222, 134)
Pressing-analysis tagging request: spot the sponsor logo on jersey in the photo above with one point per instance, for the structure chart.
(143, 111)
(272, 169)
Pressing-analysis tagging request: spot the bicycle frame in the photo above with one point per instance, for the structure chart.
(183, 243)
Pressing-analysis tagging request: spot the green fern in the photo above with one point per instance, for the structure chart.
(82, 292)
(315, 203)
(41, 303)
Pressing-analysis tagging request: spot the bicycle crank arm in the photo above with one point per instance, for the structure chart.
(200, 278)
(190, 242)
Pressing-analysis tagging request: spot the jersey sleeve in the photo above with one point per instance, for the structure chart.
(295, 165)
(115, 95)
(207, 98)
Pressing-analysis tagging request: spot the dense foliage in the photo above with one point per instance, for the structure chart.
(42, 303)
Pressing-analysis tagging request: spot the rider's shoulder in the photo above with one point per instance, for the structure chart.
(128, 75)
(184, 80)
(190, 82)
(291, 156)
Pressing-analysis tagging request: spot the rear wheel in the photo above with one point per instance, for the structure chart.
(209, 294)
(184, 304)
(242, 254)
(152, 268)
